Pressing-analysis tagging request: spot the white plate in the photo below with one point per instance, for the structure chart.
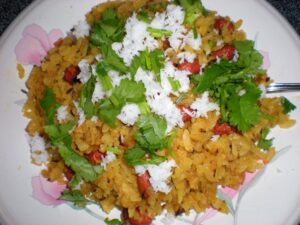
(274, 200)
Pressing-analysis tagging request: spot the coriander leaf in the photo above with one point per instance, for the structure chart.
(108, 112)
(103, 76)
(193, 9)
(263, 142)
(86, 95)
(49, 105)
(127, 91)
(243, 110)
(175, 84)
(287, 105)
(110, 28)
(158, 33)
(249, 57)
(113, 222)
(157, 59)
(76, 197)
(59, 133)
(144, 16)
(144, 108)
(114, 150)
(130, 90)
(135, 64)
(149, 61)
(227, 80)
(79, 164)
(151, 134)
(60, 137)
(205, 81)
(134, 156)
(112, 61)
(75, 181)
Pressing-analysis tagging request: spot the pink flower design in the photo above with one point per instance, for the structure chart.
(35, 43)
(46, 192)
(231, 193)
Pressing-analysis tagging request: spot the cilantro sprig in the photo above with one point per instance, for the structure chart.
(76, 197)
(193, 9)
(60, 137)
(151, 136)
(232, 86)
(110, 28)
(149, 61)
(263, 142)
(127, 92)
(287, 105)
(49, 104)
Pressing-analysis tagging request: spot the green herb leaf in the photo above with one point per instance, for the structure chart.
(76, 197)
(193, 9)
(158, 33)
(243, 110)
(113, 222)
(144, 108)
(287, 105)
(263, 142)
(144, 16)
(131, 91)
(60, 137)
(49, 105)
(59, 133)
(79, 164)
(151, 134)
(103, 77)
(226, 81)
(157, 59)
(134, 156)
(108, 112)
(114, 150)
(175, 84)
(127, 91)
(86, 95)
(110, 28)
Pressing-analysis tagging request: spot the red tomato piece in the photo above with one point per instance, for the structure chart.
(221, 22)
(193, 67)
(186, 117)
(95, 157)
(226, 52)
(166, 44)
(71, 73)
(223, 128)
(144, 219)
(69, 174)
(143, 184)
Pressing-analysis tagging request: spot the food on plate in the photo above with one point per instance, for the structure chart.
(152, 106)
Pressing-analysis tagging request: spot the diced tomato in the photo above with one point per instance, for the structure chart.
(143, 184)
(71, 73)
(223, 128)
(144, 219)
(95, 157)
(226, 52)
(193, 67)
(166, 44)
(69, 173)
(221, 22)
(186, 117)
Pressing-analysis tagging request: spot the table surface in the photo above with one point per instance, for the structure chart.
(9, 9)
